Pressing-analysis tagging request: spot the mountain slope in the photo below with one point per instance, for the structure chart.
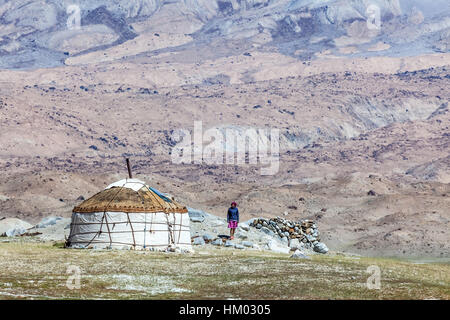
(40, 33)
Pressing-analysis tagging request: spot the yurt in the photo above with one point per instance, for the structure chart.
(129, 214)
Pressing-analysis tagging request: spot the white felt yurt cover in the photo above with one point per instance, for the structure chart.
(129, 214)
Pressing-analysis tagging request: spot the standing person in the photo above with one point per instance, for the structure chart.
(233, 219)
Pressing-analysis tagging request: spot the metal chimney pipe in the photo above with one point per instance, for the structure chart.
(129, 169)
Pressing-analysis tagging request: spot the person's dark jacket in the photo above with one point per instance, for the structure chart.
(233, 214)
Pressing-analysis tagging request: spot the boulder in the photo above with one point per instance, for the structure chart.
(267, 231)
(208, 237)
(247, 244)
(273, 245)
(217, 223)
(244, 227)
(295, 244)
(242, 235)
(196, 215)
(299, 255)
(228, 243)
(320, 247)
(199, 241)
(256, 246)
(217, 242)
(239, 246)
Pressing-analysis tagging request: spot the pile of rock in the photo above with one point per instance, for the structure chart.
(277, 235)
(220, 241)
(48, 229)
(11, 227)
(303, 233)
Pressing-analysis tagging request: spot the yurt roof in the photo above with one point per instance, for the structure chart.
(129, 195)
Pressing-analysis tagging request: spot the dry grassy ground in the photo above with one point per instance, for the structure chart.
(39, 271)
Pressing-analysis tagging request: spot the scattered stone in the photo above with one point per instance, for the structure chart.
(198, 241)
(197, 219)
(208, 238)
(217, 242)
(228, 243)
(256, 246)
(299, 255)
(247, 244)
